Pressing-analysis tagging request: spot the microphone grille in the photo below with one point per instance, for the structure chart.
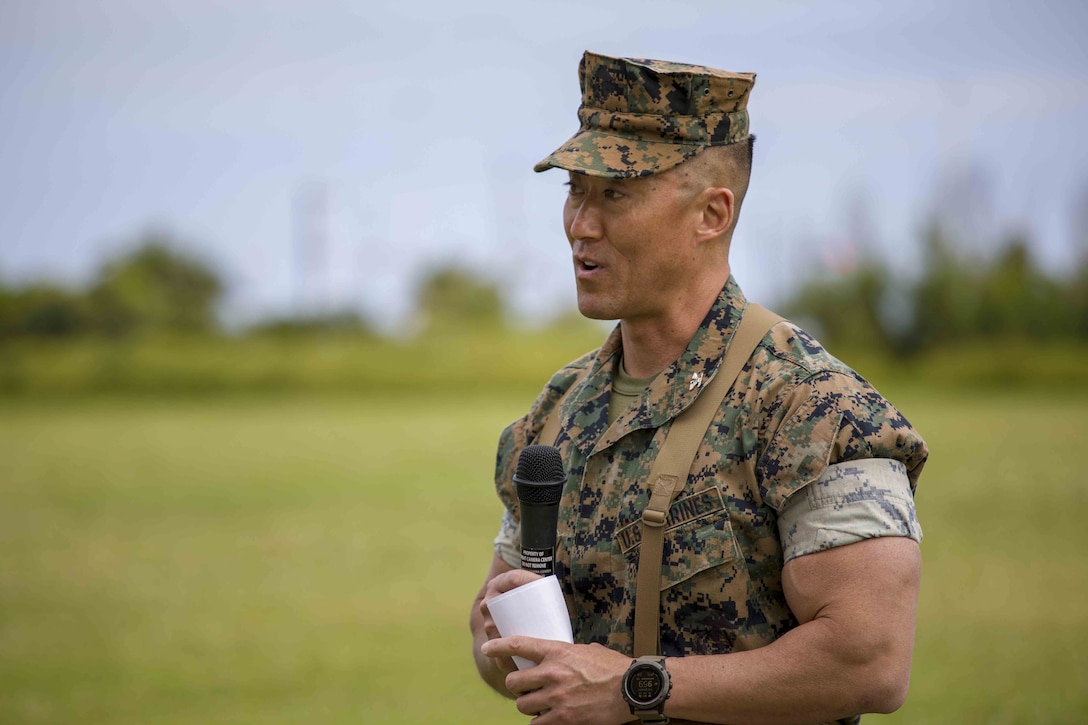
(540, 475)
(540, 464)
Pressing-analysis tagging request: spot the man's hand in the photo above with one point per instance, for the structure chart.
(496, 585)
(573, 683)
(501, 577)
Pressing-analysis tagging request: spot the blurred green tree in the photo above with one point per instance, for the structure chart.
(1017, 299)
(957, 298)
(1076, 297)
(43, 310)
(848, 308)
(451, 297)
(946, 299)
(156, 288)
(1077, 290)
(348, 323)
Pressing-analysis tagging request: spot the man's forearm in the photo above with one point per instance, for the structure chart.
(851, 653)
(806, 676)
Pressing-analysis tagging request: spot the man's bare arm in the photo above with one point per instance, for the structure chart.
(851, 653)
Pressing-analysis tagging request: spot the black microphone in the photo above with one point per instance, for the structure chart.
(539, 479)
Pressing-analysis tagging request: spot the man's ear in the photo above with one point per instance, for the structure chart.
(717, 212)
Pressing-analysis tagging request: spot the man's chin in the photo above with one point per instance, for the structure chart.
(596, 313)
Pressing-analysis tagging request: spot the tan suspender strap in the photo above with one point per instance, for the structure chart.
(674, 461)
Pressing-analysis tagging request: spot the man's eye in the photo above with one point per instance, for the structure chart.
(613, 194)
(572, 188)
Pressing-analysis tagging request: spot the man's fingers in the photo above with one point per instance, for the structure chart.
(530, 705)
(510, 580)
(528, 647)
(490, 629)
(499, 584)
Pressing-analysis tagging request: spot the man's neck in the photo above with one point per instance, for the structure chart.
(651, 344)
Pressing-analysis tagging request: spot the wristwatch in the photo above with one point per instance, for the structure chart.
(645, 687)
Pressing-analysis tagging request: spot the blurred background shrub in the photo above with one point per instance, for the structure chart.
(148, 323)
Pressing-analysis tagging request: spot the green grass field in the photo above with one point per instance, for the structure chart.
(301, 559)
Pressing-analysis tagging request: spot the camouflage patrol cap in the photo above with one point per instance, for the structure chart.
(639, 117)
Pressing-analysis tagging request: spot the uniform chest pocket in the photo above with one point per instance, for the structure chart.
(698, 537)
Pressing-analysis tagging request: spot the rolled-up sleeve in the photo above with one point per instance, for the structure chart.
(506, 542)
(849, 502)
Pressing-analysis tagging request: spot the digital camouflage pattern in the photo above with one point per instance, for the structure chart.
(849, 502)
(794, 410)
(639, 116)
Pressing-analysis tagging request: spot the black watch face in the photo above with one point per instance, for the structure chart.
(644, 684)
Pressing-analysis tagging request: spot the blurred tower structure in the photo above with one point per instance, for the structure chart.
(309, 267)
(964, 202)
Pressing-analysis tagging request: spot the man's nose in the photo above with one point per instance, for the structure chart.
(585, 222)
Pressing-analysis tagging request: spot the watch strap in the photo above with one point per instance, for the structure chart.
(654, 715)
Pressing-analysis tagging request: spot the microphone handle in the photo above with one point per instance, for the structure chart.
(538, 524)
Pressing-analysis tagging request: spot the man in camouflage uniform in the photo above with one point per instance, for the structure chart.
(791, 561)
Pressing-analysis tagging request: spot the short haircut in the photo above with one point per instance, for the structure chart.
(729, 166)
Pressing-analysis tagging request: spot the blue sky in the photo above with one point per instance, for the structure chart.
(409, 130)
